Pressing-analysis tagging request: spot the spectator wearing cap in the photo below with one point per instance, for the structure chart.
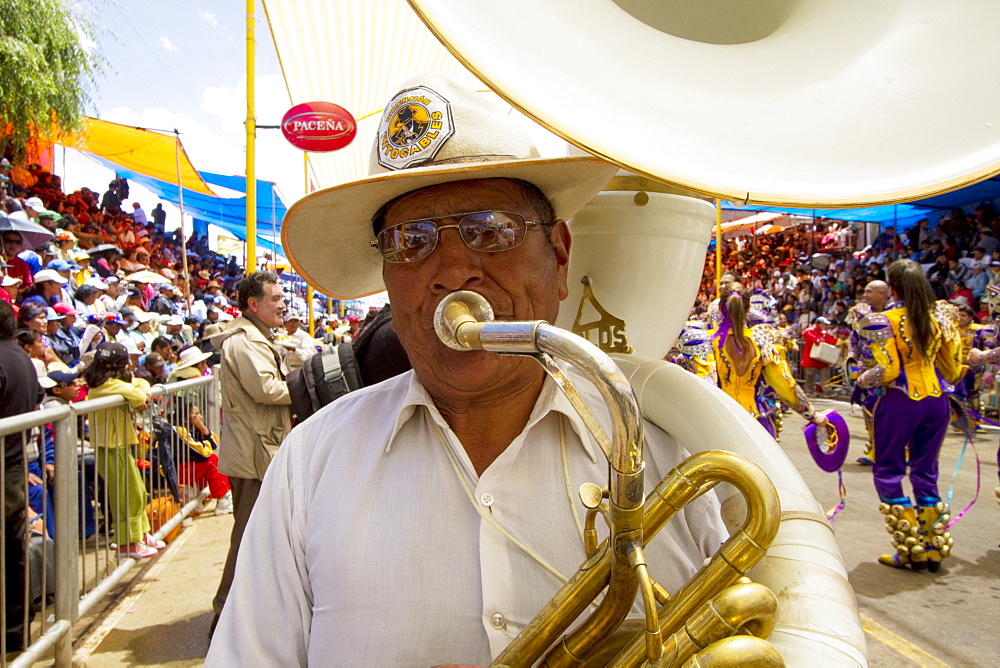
(86, 300)
(47, 219)
(66, 243)
(162, 303)
(64, 269)
(171, 330)
(67, 354)
(152, 369)
(132, 297)
(142, 334)
(47, 288)
(84, 273)
(13, 244)
(114, 325)
(68, 329)
(215, 290)
(34, 207)
(295, 342)
(67, 387)
(114, 292)
(10, 288)
(113, 436)
(993, 273)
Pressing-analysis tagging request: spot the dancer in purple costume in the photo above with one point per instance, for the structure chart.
(918, 354)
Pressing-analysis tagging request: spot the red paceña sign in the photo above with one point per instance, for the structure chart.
(318, 126)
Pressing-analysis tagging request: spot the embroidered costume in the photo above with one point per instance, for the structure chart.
(768, 369)
(910, 415)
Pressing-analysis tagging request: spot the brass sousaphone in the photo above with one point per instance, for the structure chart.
(809, 103)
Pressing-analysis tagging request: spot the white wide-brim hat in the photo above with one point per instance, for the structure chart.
(190, 357)
(433, 131)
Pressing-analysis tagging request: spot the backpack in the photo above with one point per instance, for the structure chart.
(330, 373)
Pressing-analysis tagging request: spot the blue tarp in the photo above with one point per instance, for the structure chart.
(228, 213)
(901, 216)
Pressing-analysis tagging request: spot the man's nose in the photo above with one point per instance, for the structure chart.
(458, 266)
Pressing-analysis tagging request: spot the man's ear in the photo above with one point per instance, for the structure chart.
(561, 242)
(252, 305)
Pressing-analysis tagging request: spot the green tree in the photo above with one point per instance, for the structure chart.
(45, 70)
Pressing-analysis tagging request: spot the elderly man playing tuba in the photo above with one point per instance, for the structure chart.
(428, 518)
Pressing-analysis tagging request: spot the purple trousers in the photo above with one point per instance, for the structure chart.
(765, 421)
(900, 423)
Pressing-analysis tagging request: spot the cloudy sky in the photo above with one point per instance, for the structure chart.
(181, 64)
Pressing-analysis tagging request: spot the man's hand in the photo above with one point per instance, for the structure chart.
(50, 473)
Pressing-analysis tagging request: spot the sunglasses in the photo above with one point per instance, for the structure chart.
(11, 240)
(483, 231)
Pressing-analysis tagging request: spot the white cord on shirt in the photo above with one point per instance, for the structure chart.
(489, 520)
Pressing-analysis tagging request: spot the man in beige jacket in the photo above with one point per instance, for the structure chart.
(255, 403)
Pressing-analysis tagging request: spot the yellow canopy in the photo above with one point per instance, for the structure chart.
(143, 151)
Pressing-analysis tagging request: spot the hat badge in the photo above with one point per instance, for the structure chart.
(415, 125)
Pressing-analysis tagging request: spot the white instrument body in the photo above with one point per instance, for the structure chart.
(641, 259)
(791, 102)
(817, 621)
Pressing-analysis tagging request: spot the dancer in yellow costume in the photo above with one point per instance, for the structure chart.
(748, 360)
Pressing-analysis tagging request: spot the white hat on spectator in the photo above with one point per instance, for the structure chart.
(9, 281)
(49, 275)
(131, 347)
(190, 356)
(174, 320)
(43, 376)
(142, 316)
(35, 204)
(95, 282)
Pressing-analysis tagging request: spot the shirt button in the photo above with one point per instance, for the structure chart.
(498, 621)
(486, 499)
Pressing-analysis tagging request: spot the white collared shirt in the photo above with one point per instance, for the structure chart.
(363, 547)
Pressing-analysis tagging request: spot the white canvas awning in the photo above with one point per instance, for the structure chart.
(356, 53)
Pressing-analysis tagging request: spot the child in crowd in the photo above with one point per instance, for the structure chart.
(113, 435)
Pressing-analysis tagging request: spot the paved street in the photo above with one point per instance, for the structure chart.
(917, 619)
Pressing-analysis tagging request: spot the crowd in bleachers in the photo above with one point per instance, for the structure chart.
(822, 272)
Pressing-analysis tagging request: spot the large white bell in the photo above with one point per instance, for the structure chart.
(642, 254)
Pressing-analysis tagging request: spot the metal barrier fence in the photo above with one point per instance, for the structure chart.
(97, 486)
